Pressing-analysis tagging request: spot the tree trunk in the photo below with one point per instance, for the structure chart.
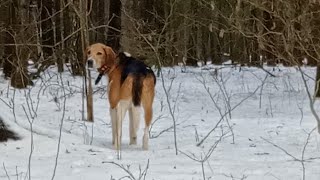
(8, 52)
(46, 7)
(20, 77)
(8, 39)
(317, 87)
(84, 33)
(254, 46)
(199, 44)
(78, 21)
(114, 33)
(59, 35)
(4, 14)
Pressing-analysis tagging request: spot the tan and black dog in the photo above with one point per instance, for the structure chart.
(131, 85)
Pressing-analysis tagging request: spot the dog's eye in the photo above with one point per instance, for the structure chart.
(99, 53)
(89, 52)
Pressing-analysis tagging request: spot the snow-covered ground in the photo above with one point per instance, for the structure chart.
(268, 113)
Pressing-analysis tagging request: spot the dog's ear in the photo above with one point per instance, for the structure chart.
(87, 50)
(110, 55)
(85, 54)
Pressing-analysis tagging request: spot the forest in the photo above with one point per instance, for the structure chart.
(162, 33)
(235, 98)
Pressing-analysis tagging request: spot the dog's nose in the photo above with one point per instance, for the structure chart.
(90, 63)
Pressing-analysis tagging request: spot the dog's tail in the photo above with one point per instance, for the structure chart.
(5, 133)
(137, 89)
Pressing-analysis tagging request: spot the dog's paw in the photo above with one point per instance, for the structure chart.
(133, 141)
(145, 147)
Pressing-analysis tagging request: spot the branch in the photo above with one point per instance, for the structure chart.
(226, 113)
(311, 99)
(283, 150)
(60, 129)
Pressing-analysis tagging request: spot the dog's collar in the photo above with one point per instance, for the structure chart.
(103, 70)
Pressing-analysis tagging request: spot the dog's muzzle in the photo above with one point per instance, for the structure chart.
(90, 63)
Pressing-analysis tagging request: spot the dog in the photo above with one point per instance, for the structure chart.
(131, 85)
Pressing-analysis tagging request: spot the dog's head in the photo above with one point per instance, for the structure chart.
(99, 55)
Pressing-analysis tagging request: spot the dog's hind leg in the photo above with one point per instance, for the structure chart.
(148, 117)
(134, 118)
(147, 101)
(147, 106)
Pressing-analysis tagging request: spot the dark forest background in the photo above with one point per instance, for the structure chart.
(162, 33)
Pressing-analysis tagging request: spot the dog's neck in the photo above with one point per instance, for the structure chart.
(105, 70)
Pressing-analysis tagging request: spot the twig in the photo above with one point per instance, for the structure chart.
(171, 112)
(303, 153)
(142, 174)
(283, 150)
(124, 169)
(31, 143)
(269, 73)
(222, 117)
(161, 116)
(302, 160)
(202, 159)
(5, 170)
(60, 129)
(17, 173)
(165, 130)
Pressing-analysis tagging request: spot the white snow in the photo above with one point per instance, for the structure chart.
(278, 112)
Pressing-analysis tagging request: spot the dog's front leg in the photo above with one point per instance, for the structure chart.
(121, 111)
(113, 115)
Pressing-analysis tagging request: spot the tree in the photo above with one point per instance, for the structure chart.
(114, 33)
